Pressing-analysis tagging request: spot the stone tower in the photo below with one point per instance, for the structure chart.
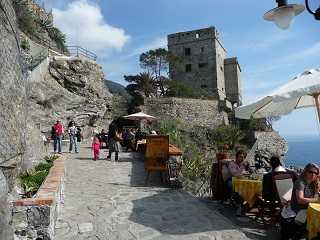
(202, 65)
(232, 78)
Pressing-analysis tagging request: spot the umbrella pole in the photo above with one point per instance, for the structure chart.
(316, 97)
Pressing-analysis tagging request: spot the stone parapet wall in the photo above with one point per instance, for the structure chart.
(191, 111)
(35, 218)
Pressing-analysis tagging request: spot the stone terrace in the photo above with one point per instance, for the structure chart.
(109, 200)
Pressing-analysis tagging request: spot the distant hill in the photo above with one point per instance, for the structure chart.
(116, 88)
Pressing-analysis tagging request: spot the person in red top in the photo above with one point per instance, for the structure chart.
(58, 137)
(95, 148)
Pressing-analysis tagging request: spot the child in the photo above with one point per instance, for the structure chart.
(96, 147)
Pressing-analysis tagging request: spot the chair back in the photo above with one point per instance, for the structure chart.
(157, 152)
(283, 183)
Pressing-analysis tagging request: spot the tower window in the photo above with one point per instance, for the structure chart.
(202, 49)
(187, 51)
(204, 86)
(203, 65)
(188, 67)
(197, 35)
(221, 68)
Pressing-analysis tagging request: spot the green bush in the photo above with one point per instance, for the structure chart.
(194, 143)
(25, 45)
(27, 21)
(230, 134)
(58, 37)
(178, 89)
(199, 145)
(34, 27)
(32, 180)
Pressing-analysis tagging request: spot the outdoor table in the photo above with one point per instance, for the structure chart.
(313, 220)
(248, 189)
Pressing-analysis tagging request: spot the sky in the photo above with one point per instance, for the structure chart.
(119, 30)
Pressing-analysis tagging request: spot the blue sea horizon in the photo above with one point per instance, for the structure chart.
(302, 150)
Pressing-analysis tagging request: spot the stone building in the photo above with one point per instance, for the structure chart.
(204, 64)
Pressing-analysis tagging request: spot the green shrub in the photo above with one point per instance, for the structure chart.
(230, 134)
(25, 45)
(27, 21)
(178, 89)
(32, 180)
(199, 145)
(58, 37)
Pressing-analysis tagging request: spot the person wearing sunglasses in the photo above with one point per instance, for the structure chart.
(306, 189)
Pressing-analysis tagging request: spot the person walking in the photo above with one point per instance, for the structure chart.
(114, 144)
(73, 137)
(95, 147)
(58, 137)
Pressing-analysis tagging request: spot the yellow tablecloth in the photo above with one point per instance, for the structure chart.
(313, 220)
(247, 189)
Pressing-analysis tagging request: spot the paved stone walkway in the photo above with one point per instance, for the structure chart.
(108, 200)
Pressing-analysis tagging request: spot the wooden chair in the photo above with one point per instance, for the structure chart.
(281, 188)
(218, 189)
(156, 154)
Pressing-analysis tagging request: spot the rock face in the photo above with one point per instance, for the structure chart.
(13, 109)
(268, 144)
(71, 89)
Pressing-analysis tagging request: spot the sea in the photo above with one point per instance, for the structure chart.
(302, 150)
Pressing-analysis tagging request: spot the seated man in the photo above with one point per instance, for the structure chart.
(234, 169)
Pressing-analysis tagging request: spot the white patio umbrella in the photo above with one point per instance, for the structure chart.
(140, 116)
(301, 92)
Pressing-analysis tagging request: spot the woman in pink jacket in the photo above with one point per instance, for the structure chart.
(95, 147)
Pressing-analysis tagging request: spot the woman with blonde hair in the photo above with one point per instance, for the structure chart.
(306, 188)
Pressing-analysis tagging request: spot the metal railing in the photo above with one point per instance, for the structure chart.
(36, 60)
(79, 51)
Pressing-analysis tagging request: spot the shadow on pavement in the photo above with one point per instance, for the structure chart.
(176, 212)
(138, 174)
(249, 226)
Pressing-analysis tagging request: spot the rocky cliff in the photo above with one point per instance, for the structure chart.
(13, 113)
(71, 88)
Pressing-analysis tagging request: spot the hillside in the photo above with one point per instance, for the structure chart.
(116, 88)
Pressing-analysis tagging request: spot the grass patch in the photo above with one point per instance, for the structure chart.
(32, 180)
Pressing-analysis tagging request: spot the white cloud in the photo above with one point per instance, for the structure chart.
(313, 51)
(84, 24)
(294, 59)
(160, 42)
(258, 42)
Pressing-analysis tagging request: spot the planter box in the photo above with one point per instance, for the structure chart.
(36, 217)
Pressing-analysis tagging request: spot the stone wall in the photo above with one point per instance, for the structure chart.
(13, 107)
(36, 218)
(192, 111)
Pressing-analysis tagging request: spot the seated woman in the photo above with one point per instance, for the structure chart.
(305, 188)
(234, 169)
(304, 192)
